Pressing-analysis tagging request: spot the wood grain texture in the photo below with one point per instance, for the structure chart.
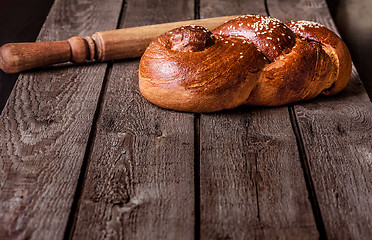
(252, 185)
(337, 134)
(216, 8)
(140, 178)
(44, 130)
(251, 181)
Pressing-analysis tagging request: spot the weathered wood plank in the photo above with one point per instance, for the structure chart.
(217, 8)
(251, 181)
(337, 135)
(140, 178)
(45, 126)
(252, 185)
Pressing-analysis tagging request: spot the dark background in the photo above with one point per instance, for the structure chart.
(21, 21)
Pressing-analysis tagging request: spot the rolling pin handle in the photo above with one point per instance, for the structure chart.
(82, 49)
(17, 57)
(102, 46)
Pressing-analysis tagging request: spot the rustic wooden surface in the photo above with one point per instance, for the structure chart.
(337, 136)
(243, 154)
(148, 190)
(85, 156)
(44, 129)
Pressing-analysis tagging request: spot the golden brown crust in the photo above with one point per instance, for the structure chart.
(252, 60)
(333, 45)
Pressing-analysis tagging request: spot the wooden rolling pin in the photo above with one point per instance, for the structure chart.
(102, 46)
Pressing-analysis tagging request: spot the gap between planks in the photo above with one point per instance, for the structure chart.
(303, 159)
(305, 166)
(197, 151)
(307, 175)
(197, 173)
(70, 227)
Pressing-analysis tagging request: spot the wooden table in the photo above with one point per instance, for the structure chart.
(85, 156)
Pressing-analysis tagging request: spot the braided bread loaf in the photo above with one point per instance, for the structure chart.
(251, 59)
